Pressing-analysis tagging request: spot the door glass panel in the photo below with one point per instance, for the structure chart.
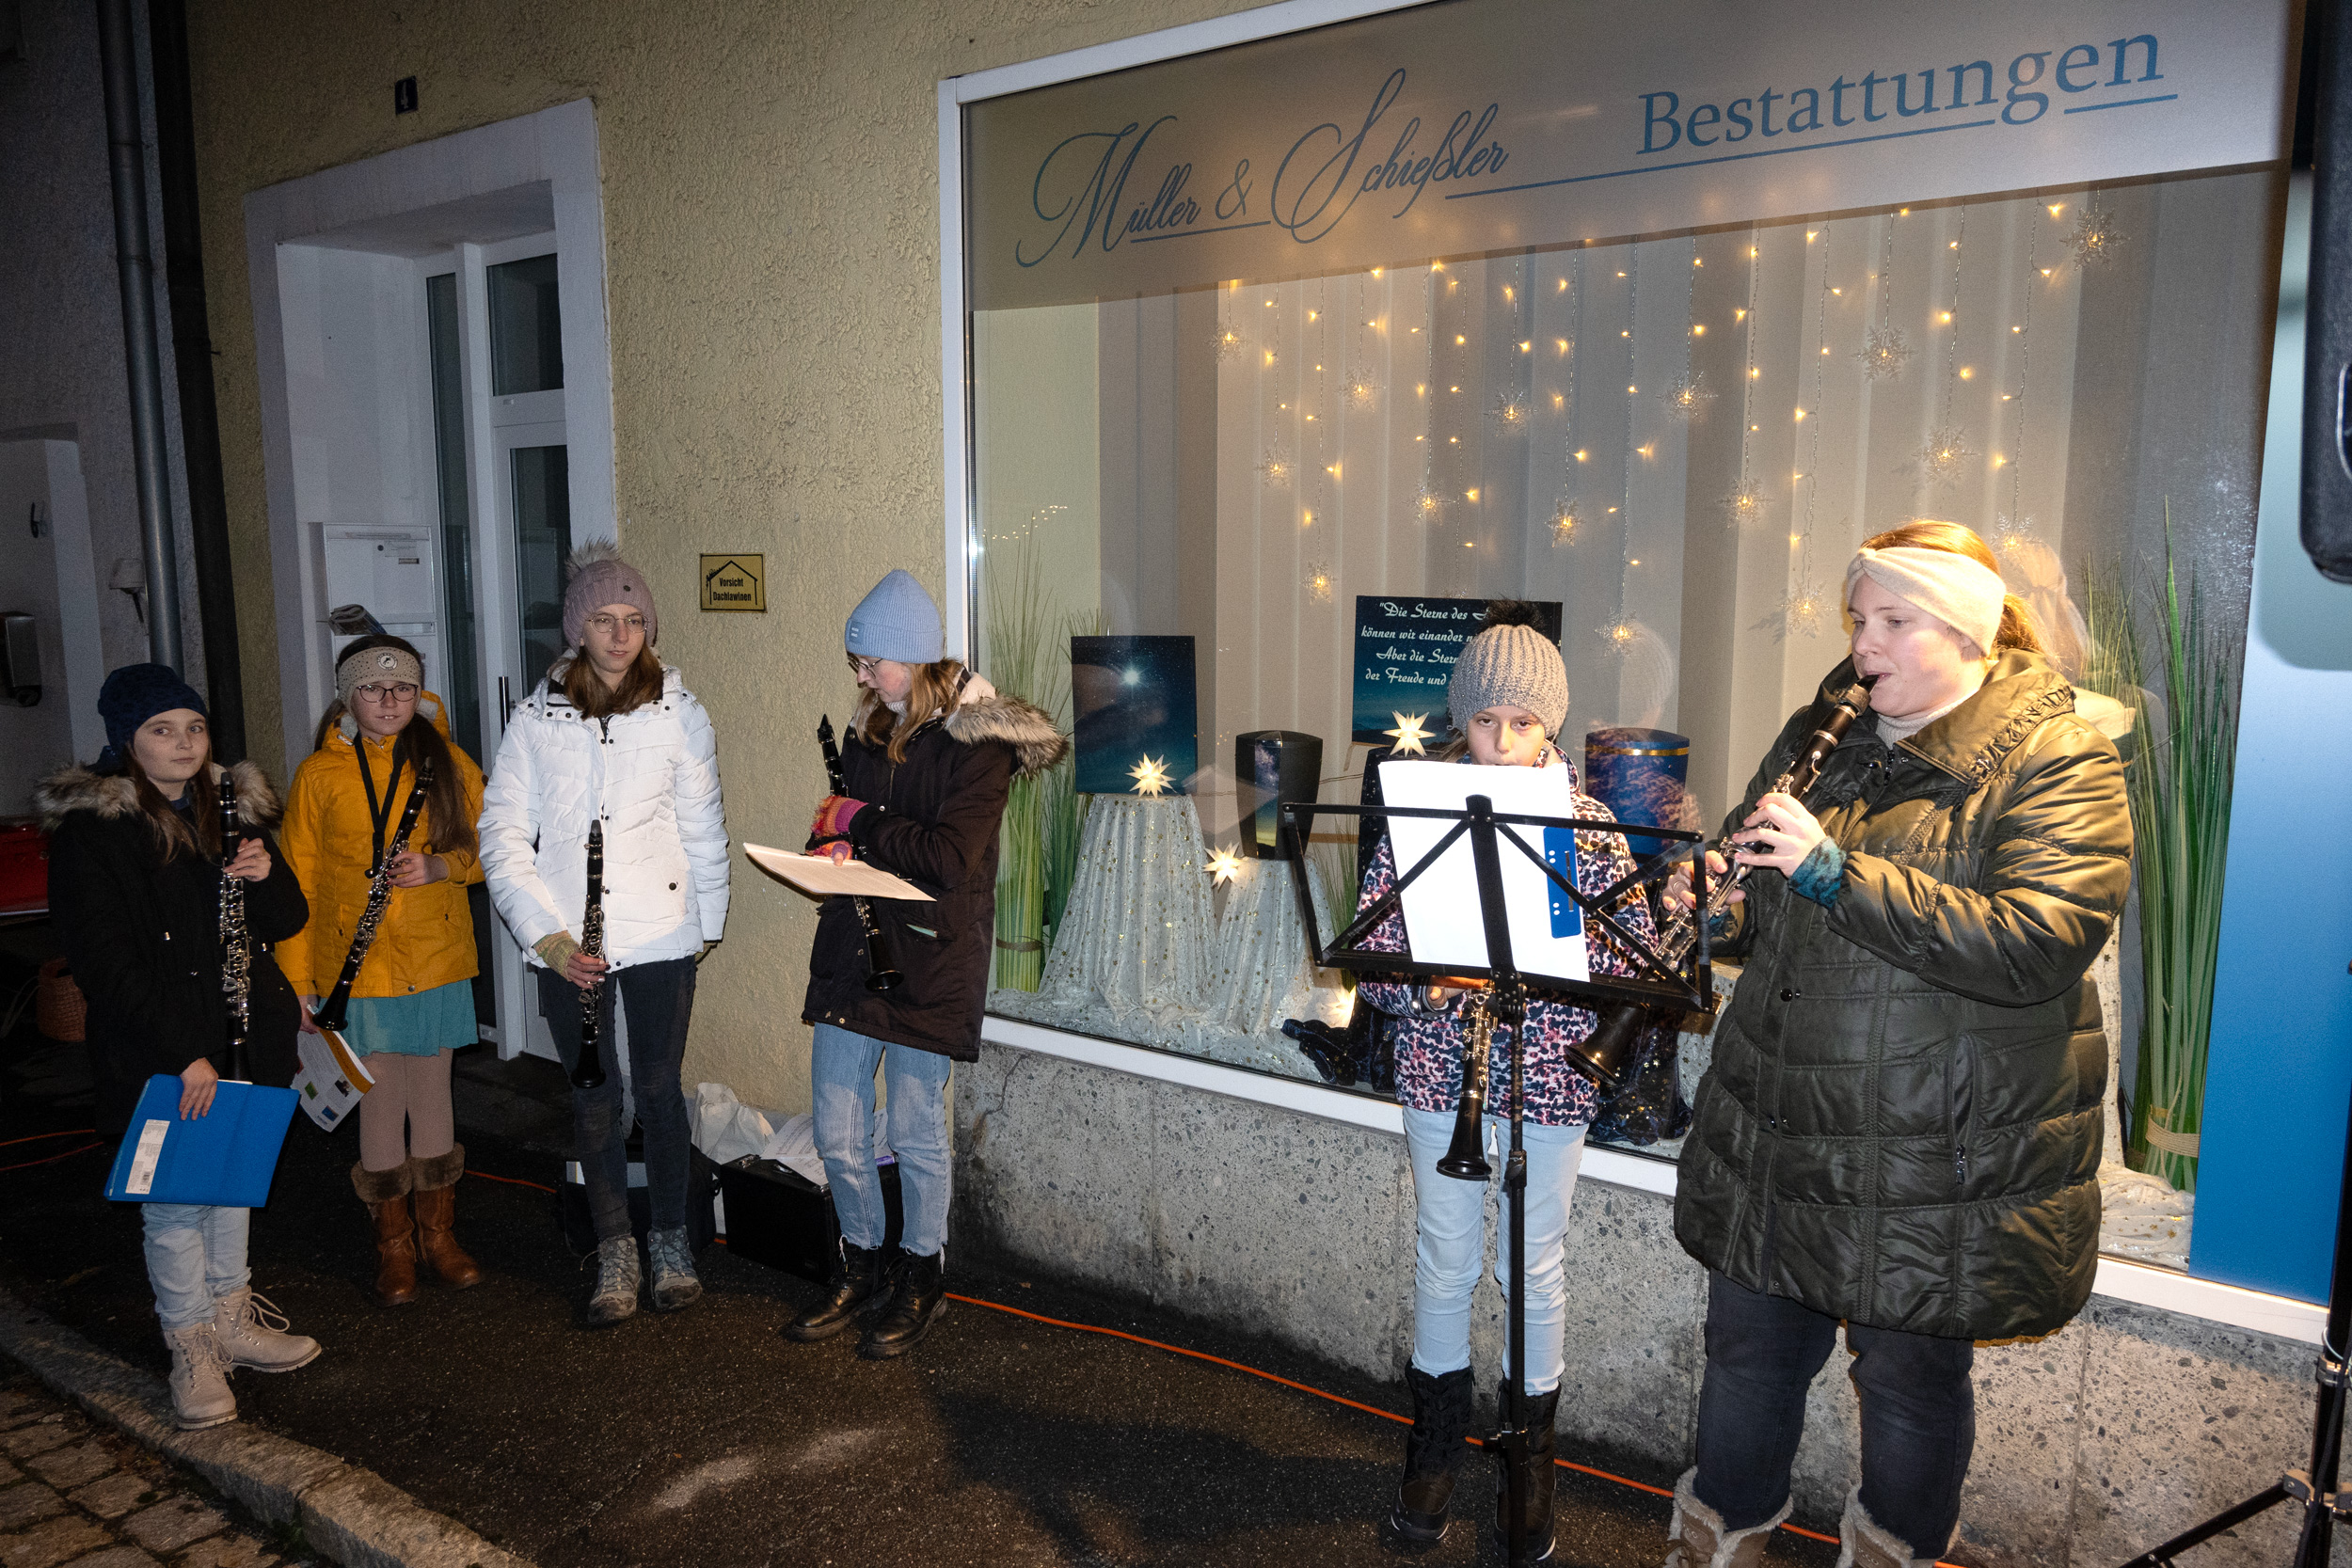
(543, 544)
(460, 684)
(526, 328)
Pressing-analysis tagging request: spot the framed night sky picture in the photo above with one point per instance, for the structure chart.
(1137, 714)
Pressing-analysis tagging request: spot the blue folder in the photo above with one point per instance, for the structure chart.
(225, 1157)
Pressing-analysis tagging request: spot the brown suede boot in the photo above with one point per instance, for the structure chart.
(436, 1183)
(386, 1194)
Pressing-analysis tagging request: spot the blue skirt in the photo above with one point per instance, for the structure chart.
(441, 1019)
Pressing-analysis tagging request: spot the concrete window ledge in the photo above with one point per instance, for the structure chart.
(2165, 1289)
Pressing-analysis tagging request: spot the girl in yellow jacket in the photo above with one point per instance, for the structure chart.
(412, 1002)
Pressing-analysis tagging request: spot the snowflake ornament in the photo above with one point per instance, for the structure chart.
(2009, 533)
(1230, 344)
(1512, 409)
(1429, 502)
(1620, 635)
(1319, 581)
(1802, 610)
(1275, 469)
(2095, 238)
(1882, 352)
(1361, 388)
(1945, 450)
(1688, 396)
(1563, 522)
(1746, 503)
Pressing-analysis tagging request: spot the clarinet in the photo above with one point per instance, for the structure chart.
(881, 965)
(1466, 1156)
(588, 1069)
(236, 945)
(333, 1015)
(1619, 1031)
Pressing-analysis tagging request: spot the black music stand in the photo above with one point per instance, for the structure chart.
(2312, 1490)
(1506, 1004)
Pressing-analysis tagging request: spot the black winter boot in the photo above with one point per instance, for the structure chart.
(856, 1291)
(1542, 1474)
(917, 1298)
(1432, 1456)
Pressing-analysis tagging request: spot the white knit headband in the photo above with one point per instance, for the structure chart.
(1961, 593)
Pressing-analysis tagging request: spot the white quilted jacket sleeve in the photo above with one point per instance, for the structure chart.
(511, 809)
(702, 824)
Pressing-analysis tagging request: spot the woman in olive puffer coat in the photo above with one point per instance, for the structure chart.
(1900, 1127)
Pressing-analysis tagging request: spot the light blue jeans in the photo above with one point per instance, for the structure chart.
(842, 1067)
(195, 1255)
(1450, 1216)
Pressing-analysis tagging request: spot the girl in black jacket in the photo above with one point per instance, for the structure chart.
(135, 881)
(926, 765)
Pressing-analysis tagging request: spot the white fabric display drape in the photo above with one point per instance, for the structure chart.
(1135, 939)
(1263, 972)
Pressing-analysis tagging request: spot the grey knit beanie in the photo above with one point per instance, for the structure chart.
(1509, 661)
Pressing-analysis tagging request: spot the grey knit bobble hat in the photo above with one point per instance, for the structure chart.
(1510, 661)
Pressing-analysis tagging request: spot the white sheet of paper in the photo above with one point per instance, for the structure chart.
(1442, 914)
(817, 875)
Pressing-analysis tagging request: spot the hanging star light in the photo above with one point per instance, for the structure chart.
(1319, 581)
(1562, 521)
(2095, 238)
(1274, 469)
(1621, 634)
(1688, 396)
(1361, 388)
(1512, 409)
(2009, 533)
(1411, 730)
(1945, 450)
(1429, 502)
(1804, 609)
(1230, 344)
(1882, 352)
(1224, 866)
(1746, 503)
(1151, 776)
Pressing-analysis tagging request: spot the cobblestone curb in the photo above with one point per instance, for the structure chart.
(349, 1513)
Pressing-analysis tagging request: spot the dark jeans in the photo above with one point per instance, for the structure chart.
(1919, 1413)
(659, 998)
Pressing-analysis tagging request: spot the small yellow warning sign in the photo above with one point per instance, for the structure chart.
(733, 582)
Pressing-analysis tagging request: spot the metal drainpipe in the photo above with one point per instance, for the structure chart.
(127, 155)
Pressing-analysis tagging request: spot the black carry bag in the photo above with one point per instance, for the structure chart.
(701, 1188)
(778, 1217)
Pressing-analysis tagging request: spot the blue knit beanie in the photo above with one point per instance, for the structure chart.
(135, 693)
(897, 621)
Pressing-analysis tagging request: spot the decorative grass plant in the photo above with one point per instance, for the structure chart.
(1037, 849)
(2177, 780)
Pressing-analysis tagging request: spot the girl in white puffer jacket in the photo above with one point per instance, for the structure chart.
(613, 736)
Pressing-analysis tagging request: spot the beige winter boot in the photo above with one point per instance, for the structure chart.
(1864, 1543)
(1700, 1541)
(252, 1333)
(200, 1379)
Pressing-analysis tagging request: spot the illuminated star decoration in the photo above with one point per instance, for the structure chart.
(1688, 396)
(1361, 388)
(1228, 343)
(1512, 409)
(1409, 733)
(1224, 866)
(1274, 469)
(1151, 776)
(1620, 634)
(1562, 521)
(1746, 503)
(2009, 533)
(1804, 609)
(1945, 450)
(1428, 502)
(1882, 353)
(2095, 237)
(1319, 581)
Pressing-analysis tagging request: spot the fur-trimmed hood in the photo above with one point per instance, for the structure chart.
(1028, 729)
(109, 795)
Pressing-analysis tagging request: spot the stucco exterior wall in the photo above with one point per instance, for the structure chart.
(771, 191)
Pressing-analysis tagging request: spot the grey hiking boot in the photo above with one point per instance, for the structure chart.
(252, 1333)
(617, 1279)
(200, 1379)
(671, 1256)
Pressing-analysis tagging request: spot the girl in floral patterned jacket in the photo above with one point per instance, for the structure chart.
(1507, 700)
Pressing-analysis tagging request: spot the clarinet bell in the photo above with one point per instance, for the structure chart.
(1608, 1052)
(883, 979)
(1465, 1159)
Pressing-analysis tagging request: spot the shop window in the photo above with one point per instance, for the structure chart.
(1677, 438)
